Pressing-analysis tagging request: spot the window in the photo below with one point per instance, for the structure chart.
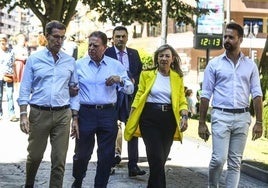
(253, 21)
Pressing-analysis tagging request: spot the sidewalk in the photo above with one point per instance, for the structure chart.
(187, 167)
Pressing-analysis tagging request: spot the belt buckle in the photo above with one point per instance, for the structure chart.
(99, 107)
(164, 108)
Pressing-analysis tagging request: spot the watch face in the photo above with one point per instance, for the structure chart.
(208, 41)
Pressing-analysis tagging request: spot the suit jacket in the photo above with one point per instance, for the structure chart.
(135, 66)
(178, 101)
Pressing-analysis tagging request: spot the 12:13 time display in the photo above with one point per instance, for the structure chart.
(207, 41)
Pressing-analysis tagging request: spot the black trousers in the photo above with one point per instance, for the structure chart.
(157, 129)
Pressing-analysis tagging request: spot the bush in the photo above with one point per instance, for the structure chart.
(82, 49)
(146, 58)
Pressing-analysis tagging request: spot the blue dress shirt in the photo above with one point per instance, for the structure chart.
(230, 84)
(93, 89)
(46, 82)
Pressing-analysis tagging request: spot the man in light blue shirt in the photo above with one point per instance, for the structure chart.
(230, 79)
(45, 87)
(99, 79)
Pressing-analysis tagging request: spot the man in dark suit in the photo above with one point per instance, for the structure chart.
(131, 60)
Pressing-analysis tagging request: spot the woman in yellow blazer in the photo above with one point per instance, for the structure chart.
(156, 111)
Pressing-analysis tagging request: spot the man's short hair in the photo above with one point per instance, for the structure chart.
(118, 28)
(54, 24)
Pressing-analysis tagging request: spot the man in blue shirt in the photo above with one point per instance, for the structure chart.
(99, 79)
(45, 87)
(230, 78)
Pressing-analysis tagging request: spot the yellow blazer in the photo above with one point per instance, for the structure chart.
(178, 100)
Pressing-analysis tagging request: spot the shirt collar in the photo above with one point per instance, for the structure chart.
(59, 54)
(103, 61)
(117, 51)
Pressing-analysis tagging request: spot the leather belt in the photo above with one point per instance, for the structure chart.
(159, 106)
(99, 106)
(47, 108)
(234, 111)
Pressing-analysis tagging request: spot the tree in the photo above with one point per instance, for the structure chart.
(153, 12)
(127, 12)
(46, 10)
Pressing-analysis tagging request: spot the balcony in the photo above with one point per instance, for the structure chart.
(256, 4)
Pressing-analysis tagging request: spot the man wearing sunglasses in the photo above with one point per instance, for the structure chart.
(45, 87)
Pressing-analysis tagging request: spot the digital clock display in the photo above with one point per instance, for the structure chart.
(208, 41)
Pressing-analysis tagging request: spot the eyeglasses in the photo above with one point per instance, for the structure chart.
(59, 37)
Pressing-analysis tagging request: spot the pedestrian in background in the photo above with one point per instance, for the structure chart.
(131, 60)
(42, 42)
(190, 102)
(6, 69)
(157, 108)
(230, 117)
(21, 54)
(198, 95)
(100, 77)
(45, 87)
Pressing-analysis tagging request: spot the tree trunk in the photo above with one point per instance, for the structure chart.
(164, 22)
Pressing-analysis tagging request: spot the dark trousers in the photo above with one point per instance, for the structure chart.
(123, 106)
(157, 130)
(101, 123)
(133, 152)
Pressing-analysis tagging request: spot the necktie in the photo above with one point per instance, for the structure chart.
(121, 56)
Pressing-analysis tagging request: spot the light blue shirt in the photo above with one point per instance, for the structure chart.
(93, 89)
(46, 83)
(230, 84)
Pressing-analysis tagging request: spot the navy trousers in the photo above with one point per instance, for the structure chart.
(101, 123)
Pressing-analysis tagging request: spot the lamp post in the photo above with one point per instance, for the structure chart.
(251, 32)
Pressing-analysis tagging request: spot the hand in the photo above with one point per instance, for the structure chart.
(111, 80)
(75, 129)
(203, 131)
(183, 124)
(73, 90)
(256, 131)
(24, 124)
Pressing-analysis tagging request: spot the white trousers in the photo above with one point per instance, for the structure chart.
(229, 136)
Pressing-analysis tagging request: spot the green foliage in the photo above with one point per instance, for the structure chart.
(127, 12)
(265, 116)
(82, 49)
(46, 10)
(124, 12)
(146, 58)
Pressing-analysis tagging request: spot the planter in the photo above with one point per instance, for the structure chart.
(255, 169)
